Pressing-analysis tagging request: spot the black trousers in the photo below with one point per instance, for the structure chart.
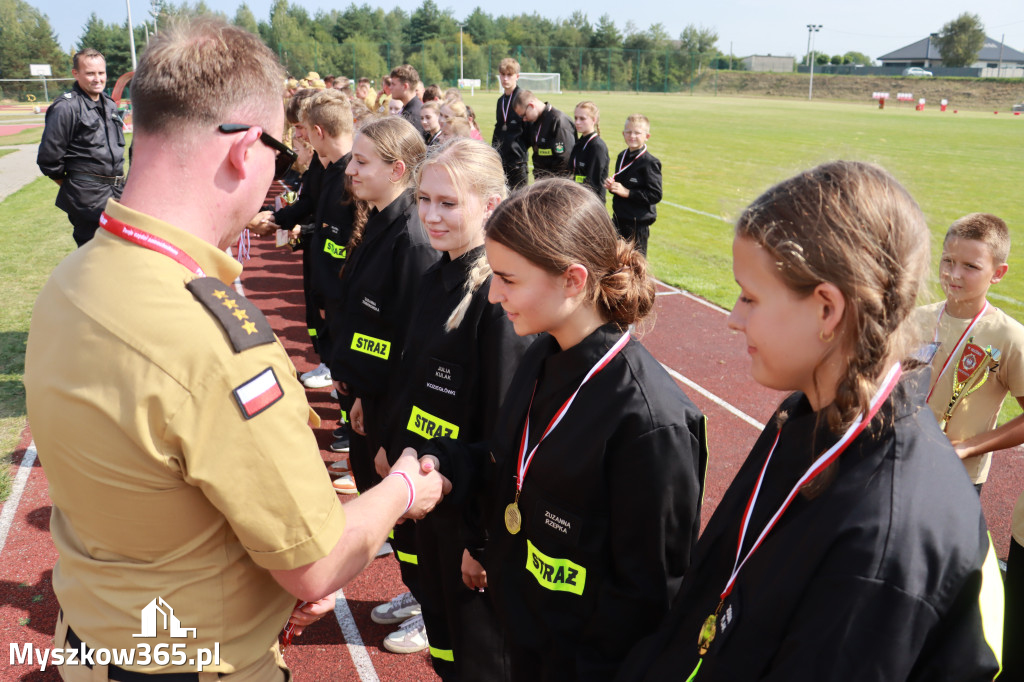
(1013, 620)
(633, 231)
(466, 643)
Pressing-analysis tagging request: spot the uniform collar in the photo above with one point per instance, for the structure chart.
(455, 272)
(380, 221)
(213, 261)
(88, 100)
(567, 366)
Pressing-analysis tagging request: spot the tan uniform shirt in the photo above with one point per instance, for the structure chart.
(371, 99)
(979, 411)
(161, 488)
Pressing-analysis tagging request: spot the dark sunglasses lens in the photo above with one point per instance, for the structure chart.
(282, 164)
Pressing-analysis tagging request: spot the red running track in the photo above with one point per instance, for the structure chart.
(689, 336)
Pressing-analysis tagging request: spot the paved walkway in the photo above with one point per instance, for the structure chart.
(17, 169)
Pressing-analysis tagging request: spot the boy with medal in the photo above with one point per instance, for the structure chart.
(966, 401)
(508, 136)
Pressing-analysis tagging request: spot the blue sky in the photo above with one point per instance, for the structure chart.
(873, 27)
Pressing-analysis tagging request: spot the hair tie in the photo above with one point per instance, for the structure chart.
(622, 268)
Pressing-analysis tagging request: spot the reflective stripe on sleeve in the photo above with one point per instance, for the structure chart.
(442, 654)
(407, 558)
(991, 603)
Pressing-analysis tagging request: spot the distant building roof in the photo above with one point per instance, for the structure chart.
(926, 48)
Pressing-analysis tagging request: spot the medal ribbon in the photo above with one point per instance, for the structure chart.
(952, 352)
(819, 465)
(589, 140)
(524, 460)
(149, 241)
(504, 110)
(622, 168)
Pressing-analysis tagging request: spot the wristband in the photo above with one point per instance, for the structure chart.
(412, 490)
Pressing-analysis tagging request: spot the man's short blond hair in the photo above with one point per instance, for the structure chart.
(986, 228)
(331, 111)
(508, 65)
(197, 72)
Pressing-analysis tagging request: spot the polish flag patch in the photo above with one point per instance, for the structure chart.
(258, 393)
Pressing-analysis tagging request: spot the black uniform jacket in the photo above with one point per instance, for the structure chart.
(643, 180)
(411, 113)
(302, 211)
(450, 383)
(378, 287)
(610, 504)
(876, 578)
(332, 223)
(588, 164)
(553, 136)
(81, 136)
(509, 136)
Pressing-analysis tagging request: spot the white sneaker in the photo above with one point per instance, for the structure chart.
(319, 378)
(316, 370)
(410, 637)
(401, 608)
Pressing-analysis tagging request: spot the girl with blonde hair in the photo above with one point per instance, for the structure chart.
(451, 383)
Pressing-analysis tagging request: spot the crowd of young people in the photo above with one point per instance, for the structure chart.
(850, 544)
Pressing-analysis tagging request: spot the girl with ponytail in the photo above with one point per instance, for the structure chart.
(461, 355)
(850, 545)
(597, 458)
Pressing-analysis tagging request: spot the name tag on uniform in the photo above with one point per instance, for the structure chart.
(543, 152)
(378, 348)
(557, 575)
(424, 424)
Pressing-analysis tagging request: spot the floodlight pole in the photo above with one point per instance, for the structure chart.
(811, 30)
(131, 32)
(462, 75)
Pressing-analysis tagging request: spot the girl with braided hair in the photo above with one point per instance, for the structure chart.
(453, 373)
(850, 545)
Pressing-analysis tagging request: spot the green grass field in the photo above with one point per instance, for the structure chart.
(718, 154)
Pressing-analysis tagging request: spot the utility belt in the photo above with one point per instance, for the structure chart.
(121, 675)
(112, 180)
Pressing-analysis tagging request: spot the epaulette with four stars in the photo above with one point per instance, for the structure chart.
(245, 324)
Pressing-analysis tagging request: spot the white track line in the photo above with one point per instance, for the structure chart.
(11, 505)
(693, 210)
(695, 299)
(714, 398)
(360, 657)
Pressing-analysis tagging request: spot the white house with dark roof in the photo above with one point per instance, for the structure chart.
(993, 56)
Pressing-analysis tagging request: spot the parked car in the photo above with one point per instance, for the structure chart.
(916, 71)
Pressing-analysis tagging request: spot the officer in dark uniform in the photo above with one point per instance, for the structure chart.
(83, 146)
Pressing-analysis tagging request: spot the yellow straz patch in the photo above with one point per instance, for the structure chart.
(560, 575)
(427, 425)
(336, 250)
(544, 152)
(378, 348)
(580, 178)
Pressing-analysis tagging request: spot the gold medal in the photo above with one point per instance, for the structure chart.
(513, 520)
(504, 128)
(707, 634)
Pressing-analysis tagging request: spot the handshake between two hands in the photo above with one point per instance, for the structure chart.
(429, 485)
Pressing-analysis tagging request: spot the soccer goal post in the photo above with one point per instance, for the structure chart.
(541, 82)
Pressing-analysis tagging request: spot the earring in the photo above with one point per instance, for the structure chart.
(832, 335)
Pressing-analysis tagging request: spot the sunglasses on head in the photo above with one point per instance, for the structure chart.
(285, 156)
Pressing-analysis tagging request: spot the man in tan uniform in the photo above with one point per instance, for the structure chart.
(190, 505)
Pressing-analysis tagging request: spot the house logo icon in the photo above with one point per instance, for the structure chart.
(151, 621)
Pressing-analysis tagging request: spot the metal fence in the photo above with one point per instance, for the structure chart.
(32, 90)
(439, 62)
